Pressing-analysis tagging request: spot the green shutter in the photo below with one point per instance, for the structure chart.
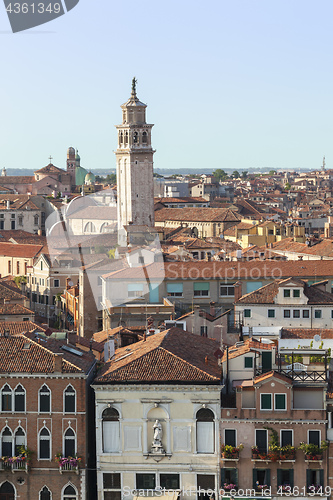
(254, 478)
(268, 477)
(234, 476)
(291, 477)
(321, 476)
(308, 477)
(278, 477)
(280, 401)
(201, 286)
(266, 401)
(222, 477)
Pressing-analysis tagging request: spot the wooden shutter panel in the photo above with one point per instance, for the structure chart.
(291, 476)
(308, 477)
(278, 477)
(321, 476)
(234, 476)
(268, 477)
(254, 476)
(222, 477)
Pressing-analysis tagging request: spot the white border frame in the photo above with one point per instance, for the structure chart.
(285, 398)
(267, 394)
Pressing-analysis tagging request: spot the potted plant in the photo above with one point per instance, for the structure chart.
(288, 452)
(229, 486)
(274, 452)
(311, 451)
(255, 451)
(229, 451)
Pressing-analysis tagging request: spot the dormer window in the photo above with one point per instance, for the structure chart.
(296, 293)
(286, 292)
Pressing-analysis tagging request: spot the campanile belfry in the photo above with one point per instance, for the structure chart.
(135, 183)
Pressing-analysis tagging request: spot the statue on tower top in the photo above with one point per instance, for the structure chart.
(134, 82)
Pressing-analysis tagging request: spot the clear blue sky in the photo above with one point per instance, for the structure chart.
(229, 84)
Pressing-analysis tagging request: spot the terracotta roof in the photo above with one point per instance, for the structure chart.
(14, 309)
(166, 357)
(50, 169)
(196, 214)
(183, 199)
(306, 333)
(18, 250)
(18, 354)
(16, 327)
(267, 293)
(17, 179)
(247, 346)
(17, 202)
(6, 292)
(268, 375)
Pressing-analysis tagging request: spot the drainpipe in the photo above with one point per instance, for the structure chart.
(227, 374)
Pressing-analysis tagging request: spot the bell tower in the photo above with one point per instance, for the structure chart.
(134, 154)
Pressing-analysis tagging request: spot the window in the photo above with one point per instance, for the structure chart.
(44, 444)
(296, 313)
(175, 289)
(286, 437)
(317, 313)
(36, 219)
(170, 481)
(230, 437)
(19, 440)
(6, 398)
(7, 491)
(7, 442)
(205, 431)
(20, 220)
(286, 292)
(271, 313)
(44, 399)
(227, 290)
(203, 331)
(112, 486)
(18, 267)
(296, 293)
(111, 430)
(266, 401)
(69, 493)
(9, 267)
(69, 443)
(286, 313)
(45, 494)
(314, 437)
(306, 313)
(314, 479)
(135, 290)
(205, 482)
(229, 476)
(201, 289)
(261, 477)
(247, 313)
(19, 398)
(248, 362)
(69, 400)
(145, 481)
(285, 477)
(56, 283)
(280, 402)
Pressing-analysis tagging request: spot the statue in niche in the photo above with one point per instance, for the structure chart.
(157, 446)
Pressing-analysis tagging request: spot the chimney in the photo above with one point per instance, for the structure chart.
(145, 336)
(58, 362)
(212, 309)
(206, 360)
(67, 283)
(238, 290)
(8, 204)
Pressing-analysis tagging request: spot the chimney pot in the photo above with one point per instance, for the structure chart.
(58, 362)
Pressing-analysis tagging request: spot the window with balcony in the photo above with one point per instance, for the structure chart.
(69, 443)
(286, 437)
(19, 440)
(230, 437)
(261, 439)
(314, 437)
(7, 442)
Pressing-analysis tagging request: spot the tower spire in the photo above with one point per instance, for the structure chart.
(134, 82)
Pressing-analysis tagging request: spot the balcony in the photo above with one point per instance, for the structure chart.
(14, 464)
(304, 366)
(231, 453)
(280, 455)
(68, 467)
(68, 464)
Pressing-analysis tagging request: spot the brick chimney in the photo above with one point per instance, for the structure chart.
(212, 309)
(238, 290)
(58, 362)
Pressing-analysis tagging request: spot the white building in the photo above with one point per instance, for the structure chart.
(286, 303)
(157, 417)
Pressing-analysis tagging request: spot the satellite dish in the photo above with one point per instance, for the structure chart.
(71, 284)
(317, 338)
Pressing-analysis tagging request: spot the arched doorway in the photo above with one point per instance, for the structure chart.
(7, 491)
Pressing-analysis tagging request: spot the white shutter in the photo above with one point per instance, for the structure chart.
(205, 437)
(110, 436)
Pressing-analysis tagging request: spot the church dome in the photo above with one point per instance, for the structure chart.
(77, 156)
(89, 178)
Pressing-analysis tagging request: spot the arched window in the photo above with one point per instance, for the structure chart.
(126, 138)
(6, 398)
(7, 491)
(45, 494)
(44, 399)
(120, 138)
(19, 398)
(44, 444)
(69, 443)
(205, 431)
(89, 228)
(36, 219)
(69, 493)
(7, 442)
(19, 440)
(144, 138)
(69, 400)
(135, 137)
(111, 430)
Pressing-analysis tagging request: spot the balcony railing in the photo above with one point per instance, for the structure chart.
(67, 467)
(14, 464)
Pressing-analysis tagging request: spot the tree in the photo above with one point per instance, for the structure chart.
(244, 174)
(235, 174)
(287, 186)
(220, 174)
(272, 172)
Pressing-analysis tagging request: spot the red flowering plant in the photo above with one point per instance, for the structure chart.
(67, 461)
